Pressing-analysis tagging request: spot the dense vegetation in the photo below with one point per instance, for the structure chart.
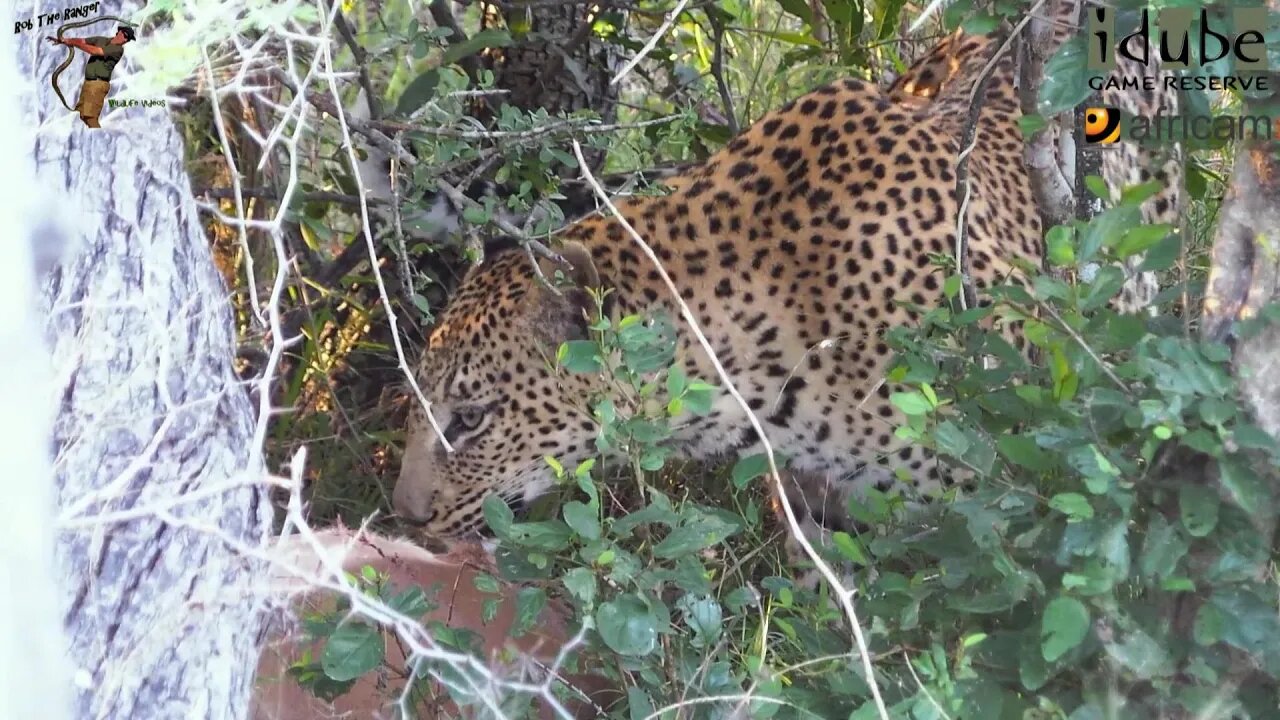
(1115, 558)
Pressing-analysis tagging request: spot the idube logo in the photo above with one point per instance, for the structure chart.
(1226, 48)
(1177, 48)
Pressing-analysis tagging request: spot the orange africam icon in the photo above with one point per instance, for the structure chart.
(1101, 125)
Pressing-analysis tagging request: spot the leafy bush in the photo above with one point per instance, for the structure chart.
(1113, 556)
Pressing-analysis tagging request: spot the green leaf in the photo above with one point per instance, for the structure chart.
(1142, 655)
(980, 24)
(412, 602)
(475, 215)
(550, 535)
(1061, 246)
(491, 38)
(583, 519)
(1065, 79)
(422, 304)
(489, 609)
(1250, 492)
(952, 286)
(850, 548)
(486, 583)
(1209, 625)
(351, 651)
(498, 515)
(1096, 185)
(581, 583)
(1140, 193)
(529, 604)
(627, 626)
(676, 381)
(1106, 229)
(871, 509)
(1031, 124)
(1163, 549)
(951, 439)
(693, 537)
(1163, 254)
(580, 356)
(419, 92)
(698, 397)
(1064, 626)
(704, 616)
(1141, 238)
(1199, 508)
(1074, 505)
(911, 403)
(653, 459)
(654, 512)
(1253, 437)
(749, 468)
(1023, 451)
(555, 465)
(639, 706)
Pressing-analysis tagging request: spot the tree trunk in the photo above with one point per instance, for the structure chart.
(35, 679)
(1245, 276)
(155, 477)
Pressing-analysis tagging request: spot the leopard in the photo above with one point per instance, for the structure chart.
(793, 250)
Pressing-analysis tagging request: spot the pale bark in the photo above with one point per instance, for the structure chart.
(34, 677)
(158, 609)
(1050, 153)
(1245, 277)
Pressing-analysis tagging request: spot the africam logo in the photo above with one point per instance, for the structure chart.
(1103, 126)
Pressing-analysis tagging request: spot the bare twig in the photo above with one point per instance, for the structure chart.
(362, 64)
(1106, 369)
(968, 141)
(397, 225)
(373, 258)
(652, 43)
(214, 193)
(369, 129)
(845, 596)
(570, 126)
(717, 70)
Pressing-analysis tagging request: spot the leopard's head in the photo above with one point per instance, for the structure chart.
(489, 372)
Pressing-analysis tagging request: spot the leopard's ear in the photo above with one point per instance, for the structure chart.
(568, 304)
(578, 266)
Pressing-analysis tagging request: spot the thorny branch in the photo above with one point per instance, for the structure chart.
(569, 126)
(259, 193)
(409, 374)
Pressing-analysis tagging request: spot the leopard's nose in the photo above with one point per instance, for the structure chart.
(415, 521)
(414, 497)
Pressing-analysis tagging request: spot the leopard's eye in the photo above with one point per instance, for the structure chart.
(470, 417)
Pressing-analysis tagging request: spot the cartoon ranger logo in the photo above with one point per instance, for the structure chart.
(104, 54)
